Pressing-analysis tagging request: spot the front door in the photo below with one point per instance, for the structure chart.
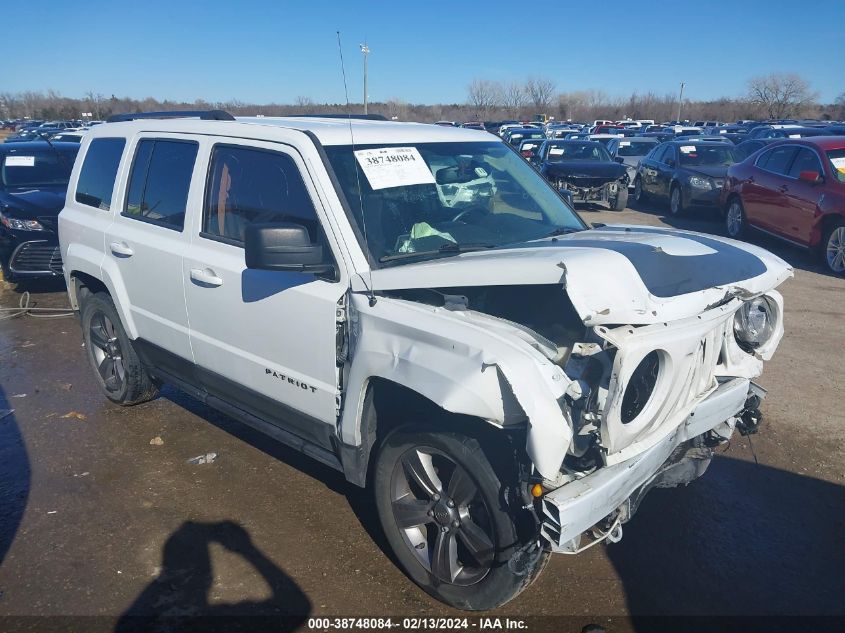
(265, 341)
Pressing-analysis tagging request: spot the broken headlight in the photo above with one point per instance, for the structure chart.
(754, 323)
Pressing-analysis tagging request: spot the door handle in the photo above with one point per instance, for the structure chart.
(120, 249)
(783, 188)
(205, 277)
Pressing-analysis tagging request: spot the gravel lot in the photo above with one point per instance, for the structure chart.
(96, 521)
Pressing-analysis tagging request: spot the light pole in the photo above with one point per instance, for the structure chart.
(680, 101)
(365, 51)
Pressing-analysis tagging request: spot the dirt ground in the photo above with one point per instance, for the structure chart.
(96, 521)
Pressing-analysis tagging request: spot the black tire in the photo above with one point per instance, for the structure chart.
(640, 194)
(735, 220)
(621, 199)
(118, 369)
(833, 248)
(676, 201)
(484, 580)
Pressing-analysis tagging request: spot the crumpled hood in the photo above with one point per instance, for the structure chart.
(584, 169)
(613, 275)
(33, 202)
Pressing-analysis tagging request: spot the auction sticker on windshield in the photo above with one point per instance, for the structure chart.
(20, 161)
(387, 167)
(687, 149)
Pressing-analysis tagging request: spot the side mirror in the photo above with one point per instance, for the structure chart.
(619, 159)
(283, 246)
(812, 177)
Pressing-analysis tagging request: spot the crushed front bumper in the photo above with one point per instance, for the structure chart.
(581, 504)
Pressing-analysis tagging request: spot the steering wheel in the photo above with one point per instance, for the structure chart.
(469, 211)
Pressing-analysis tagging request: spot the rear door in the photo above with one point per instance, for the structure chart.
(146, 241)
(665, 171)
(648, 172)
(264, 341)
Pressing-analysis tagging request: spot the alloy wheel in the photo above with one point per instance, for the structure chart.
(442, 516)
(835, 250)
(675, 201)
(638, 190)
(734, 219)
(108, 355)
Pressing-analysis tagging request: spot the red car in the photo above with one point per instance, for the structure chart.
(795, 190)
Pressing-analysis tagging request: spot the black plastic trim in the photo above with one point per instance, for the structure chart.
(205, 115)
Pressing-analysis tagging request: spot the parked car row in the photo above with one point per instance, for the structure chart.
(69, 131)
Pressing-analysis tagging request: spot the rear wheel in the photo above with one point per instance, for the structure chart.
(121, 375)
(676, 202)
(834, 248)
(735, 219)
(440, 501)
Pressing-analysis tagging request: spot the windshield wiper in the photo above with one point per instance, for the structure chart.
(565, 230)
(448, 248)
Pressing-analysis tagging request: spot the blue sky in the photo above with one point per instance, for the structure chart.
(422, 52)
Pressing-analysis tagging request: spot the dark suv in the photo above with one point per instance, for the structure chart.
(33, 183)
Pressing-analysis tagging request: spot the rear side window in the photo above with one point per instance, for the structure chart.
(776, 160)
(805, 160)
(251, 185)
(160, 180)
(96, 179)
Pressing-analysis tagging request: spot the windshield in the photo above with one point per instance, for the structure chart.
(40, 168)
(837, 163)
(710, 154)
(634, 148)
(592, 151)
(427, 200)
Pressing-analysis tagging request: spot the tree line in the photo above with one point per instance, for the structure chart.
(772, 96)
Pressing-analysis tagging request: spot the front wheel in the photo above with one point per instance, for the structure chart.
(834, 248)
(621, 199)
(440, 502)
(121, 375)
(676, 203)
(735, 219)
(639, 193)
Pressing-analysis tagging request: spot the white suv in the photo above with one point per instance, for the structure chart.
(416, 307)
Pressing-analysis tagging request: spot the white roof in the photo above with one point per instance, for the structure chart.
(327, 131)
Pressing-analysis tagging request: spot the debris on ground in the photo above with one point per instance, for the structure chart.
(19, 395)
(66, 386)
(28, 344)
(52, 511)
(156, 441)
(5, 412)
(208, 458)
(85, 474)
(75, 414)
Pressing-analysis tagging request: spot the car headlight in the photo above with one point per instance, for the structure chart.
(20, 225)
(700, 183)
(754, 323)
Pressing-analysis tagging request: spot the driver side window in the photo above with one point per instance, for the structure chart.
(249, 185)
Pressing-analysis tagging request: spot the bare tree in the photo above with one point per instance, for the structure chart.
(540, 91)
(482, 94)
(839, 106)
(512, 97)
(780, 94)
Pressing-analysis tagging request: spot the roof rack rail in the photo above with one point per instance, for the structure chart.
(336, 115)
(206, 115)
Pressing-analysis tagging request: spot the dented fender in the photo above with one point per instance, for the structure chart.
(456, 360)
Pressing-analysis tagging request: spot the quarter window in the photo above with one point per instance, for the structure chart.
(161, 178)
(250, 186)
(96, 179)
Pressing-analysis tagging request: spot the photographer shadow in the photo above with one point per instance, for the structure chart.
(178, 599)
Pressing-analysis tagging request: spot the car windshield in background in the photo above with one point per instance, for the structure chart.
(634, 148)
(426, 200)
(37, 168)
(837, 163)
(709, 154)
(577, 151)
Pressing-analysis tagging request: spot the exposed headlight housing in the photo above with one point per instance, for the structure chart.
(754, 322)
(19, 224)
(700, 183)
